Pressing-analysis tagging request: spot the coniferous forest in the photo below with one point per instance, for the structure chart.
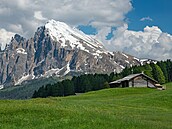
(161, 71)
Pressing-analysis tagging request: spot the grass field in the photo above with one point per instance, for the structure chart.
(128, 108)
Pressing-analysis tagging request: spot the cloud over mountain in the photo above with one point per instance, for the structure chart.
(149, 43)
(24, 16)
(28, 14)
(5, 37)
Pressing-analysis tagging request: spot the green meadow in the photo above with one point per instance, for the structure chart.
(118, 108)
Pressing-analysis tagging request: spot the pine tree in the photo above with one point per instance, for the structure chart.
(35, 94)
(111, 76)
(60, 89)
(68, 87)
(158, 74)
(127, 71)
(163, 67)
(106, 85)
(169, 70)
(148, 70)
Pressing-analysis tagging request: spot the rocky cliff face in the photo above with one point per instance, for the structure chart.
(57, 49)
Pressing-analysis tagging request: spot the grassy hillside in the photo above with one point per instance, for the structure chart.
(129, 108)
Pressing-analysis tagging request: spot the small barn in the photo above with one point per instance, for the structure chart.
(135, 80)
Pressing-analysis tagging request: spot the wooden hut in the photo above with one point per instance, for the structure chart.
(135, 80)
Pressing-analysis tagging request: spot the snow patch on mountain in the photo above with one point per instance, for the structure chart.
(137, 59)
(58, 50)
(51, 72)
(67, 69)
(21, 51)
(127, 61)
(1, 87)
(72, 37)
(122, 66)
(23, 78)
(124, 55)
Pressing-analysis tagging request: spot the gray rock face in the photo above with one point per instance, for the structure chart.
(56, 49)
(16, 60)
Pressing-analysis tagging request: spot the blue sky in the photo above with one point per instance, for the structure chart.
(159, 10)
(88, 29)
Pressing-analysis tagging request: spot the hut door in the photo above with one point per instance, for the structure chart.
(125, 84)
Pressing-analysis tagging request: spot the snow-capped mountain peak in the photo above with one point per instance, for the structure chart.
(57, 50)
(72, 37)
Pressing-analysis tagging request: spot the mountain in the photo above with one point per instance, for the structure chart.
(56, 49)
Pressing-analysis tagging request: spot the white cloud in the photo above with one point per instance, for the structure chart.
(150, 43)
(38, 15)
(31, 13)
(146, 19)
(24, 16)
(5, 37)
(16, 28)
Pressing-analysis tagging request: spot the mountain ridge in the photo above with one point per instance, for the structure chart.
(56, 49)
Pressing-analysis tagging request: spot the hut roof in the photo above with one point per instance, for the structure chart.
(132, 76)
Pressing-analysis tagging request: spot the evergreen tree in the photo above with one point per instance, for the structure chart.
(148, 70)
(169, 70)
(68, 87)
(106, 85)
(55, 90)
(111, 76)
(99, 82)
(137, 69)
(41, 92)
(35, 94)
(163, 67)
(127, 71)
(49, 90)
(158, 74)
(60, 89)
(85, 84)
(117, 76)
(162, 72)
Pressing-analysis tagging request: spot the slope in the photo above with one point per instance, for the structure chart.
(131, 108)
(57, 49)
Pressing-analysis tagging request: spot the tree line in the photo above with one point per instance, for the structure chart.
(161, 71)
